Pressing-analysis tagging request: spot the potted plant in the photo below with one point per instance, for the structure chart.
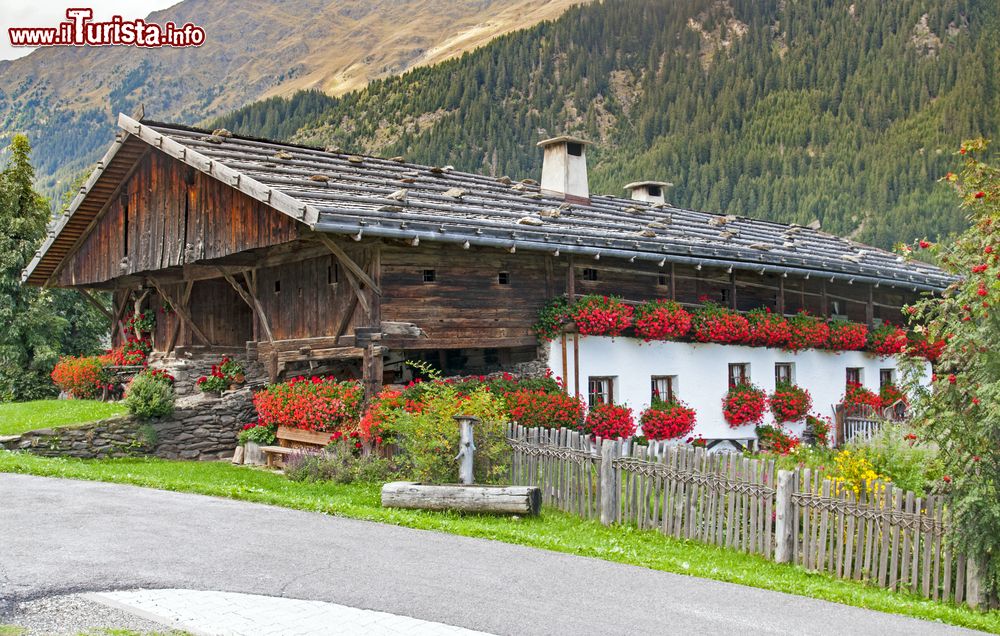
(667, 420)
(744, 404)
(602, 316)
(789, 402)
(251, 437)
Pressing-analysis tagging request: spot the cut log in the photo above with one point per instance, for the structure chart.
(238, 455)
(518, 500)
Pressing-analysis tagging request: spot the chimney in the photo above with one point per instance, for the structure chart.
(564, 168)
(648, 191)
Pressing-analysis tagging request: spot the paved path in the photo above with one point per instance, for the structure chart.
(60, 536)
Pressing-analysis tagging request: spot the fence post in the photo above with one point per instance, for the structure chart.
(784, 523)
(609, 487)
(974, 596)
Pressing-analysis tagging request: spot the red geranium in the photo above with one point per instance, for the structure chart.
(789, 403)
(744, 404)
(661, 320)
(774, 439)
(315, 404)
(847, 336)
(602, 316)
(889, 394)
(857, 396)
(887, 340)
(82, 378)
(537, 407)
(923, 348)
(610, 421)
(767, 329)
(667, 420)
(713, 323)
(807, 332)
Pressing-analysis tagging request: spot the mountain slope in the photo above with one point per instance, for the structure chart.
(790, 110)
(65, 98)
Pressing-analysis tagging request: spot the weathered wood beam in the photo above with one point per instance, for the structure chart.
(175, 332)
(120, 313)
(349, 263)
(251, 300)
(402, 329)
(182, 312)
(372, 369)
(97, 304)
(345, 320)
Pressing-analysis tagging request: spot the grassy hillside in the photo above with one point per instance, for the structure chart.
(789, 110)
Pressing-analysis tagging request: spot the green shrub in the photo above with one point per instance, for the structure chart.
(149, 395)
(261, 434)
(901, 455)
(340, 464)
(428, 437)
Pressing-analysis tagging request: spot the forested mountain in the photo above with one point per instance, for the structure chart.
(793, 110)
(66, 98)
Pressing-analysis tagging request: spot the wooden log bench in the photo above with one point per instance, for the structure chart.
(517, 500)
(293, 440)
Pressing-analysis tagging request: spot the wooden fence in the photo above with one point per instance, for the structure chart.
(879, 534)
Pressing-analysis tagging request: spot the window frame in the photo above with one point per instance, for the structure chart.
(429, 275)
(743, 375)
(610, 391)
(860, 375)
(671, 384)
(881, 377)
(790, 366)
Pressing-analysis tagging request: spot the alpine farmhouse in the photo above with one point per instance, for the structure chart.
(320, 262)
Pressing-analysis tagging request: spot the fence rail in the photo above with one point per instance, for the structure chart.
(879, 533)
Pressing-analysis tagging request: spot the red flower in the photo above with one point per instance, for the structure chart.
(767, 329)
(924, 245)
(610, 421)
(952, 379)
(847, 336)
(602, 316)
(979, 195)
(713, 323)
(744, 404)
(946, 479)
(789, 403)
(665, 420)
(661, 320)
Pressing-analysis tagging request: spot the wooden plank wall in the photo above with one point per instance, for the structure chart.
(167, 215)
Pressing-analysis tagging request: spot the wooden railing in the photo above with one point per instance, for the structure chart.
(878, 533)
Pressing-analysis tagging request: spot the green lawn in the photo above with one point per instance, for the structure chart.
(18, 417)
(552, 531)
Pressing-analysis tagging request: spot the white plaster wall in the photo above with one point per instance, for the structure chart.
(702, 372)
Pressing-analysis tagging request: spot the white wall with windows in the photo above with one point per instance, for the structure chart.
(626, 371)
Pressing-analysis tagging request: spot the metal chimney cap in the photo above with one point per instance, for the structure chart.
(640, 184)
(563, 139)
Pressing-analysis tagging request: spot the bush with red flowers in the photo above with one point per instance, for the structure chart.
(744, 404)
(767, 329)
(227, 372)
(807, 332)
(714, 323)
(539, 408)
(889, 394)
(602, 316)
(789, 402)
(856, 397)
(661, 320)
(314, 404)
(926, 349)
(887, 340)
(132, 352)
(83, 378)
(141, 323)
(551, 318)
(610, 421)
(775, 440)
(847, 336)
(667, 420)
(819, 428)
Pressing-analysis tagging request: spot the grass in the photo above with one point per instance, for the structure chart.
(18, 417)
(552, 531)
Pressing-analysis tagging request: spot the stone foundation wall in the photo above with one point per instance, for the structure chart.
(201, 427)
(188, 366)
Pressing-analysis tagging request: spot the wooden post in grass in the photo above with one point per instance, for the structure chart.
(466, 447)
(609, 483)
(974, 593)
(784, 518)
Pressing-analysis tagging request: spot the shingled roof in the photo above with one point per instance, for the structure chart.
(364, 196)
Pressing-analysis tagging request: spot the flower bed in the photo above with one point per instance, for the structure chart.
(847, 336)
(789, 402)
(610, 421)
(661, 320)
(856, 397)
(807, 332)
(744, 404)
(315, 404)
(775, 440)
(81, 377)
(887, 340)
(667, 420)
(227, 372)
(602, 316)
(767, 329)
(536, 407)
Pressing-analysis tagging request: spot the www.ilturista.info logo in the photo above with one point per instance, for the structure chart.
(80, 30)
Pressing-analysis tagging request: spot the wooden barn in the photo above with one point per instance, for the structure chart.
(315, 260)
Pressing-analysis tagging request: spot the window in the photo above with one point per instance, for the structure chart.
(332, 274)
(589, 273)
(574, 149)
(835, 308)
(503, 278)
(600, 391)
(739, 373)
(886, 376)
(783, 373)
(854, 375)
(277, 287)
(662, 387)
(725, 296)
(663, 280)
(430, 275)
(654, 191)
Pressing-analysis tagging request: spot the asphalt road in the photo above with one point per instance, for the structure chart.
(62, 536)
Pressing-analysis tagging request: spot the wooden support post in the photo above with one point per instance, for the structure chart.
(609, 483)
(870, 307)
(182, 313)
(372, 365)
(466, 448)
(673, 283)
(732, 290)
(571, 280)
(784, 519)
(97, 304)
(120, 314)
(172, 340)
(251, 300)
(576, 365)
(349, 263)
(975, 594)
(781, 296)
(565, 363)
(824, 302)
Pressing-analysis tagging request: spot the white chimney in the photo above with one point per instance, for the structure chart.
(648, 191)
(564, 168)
